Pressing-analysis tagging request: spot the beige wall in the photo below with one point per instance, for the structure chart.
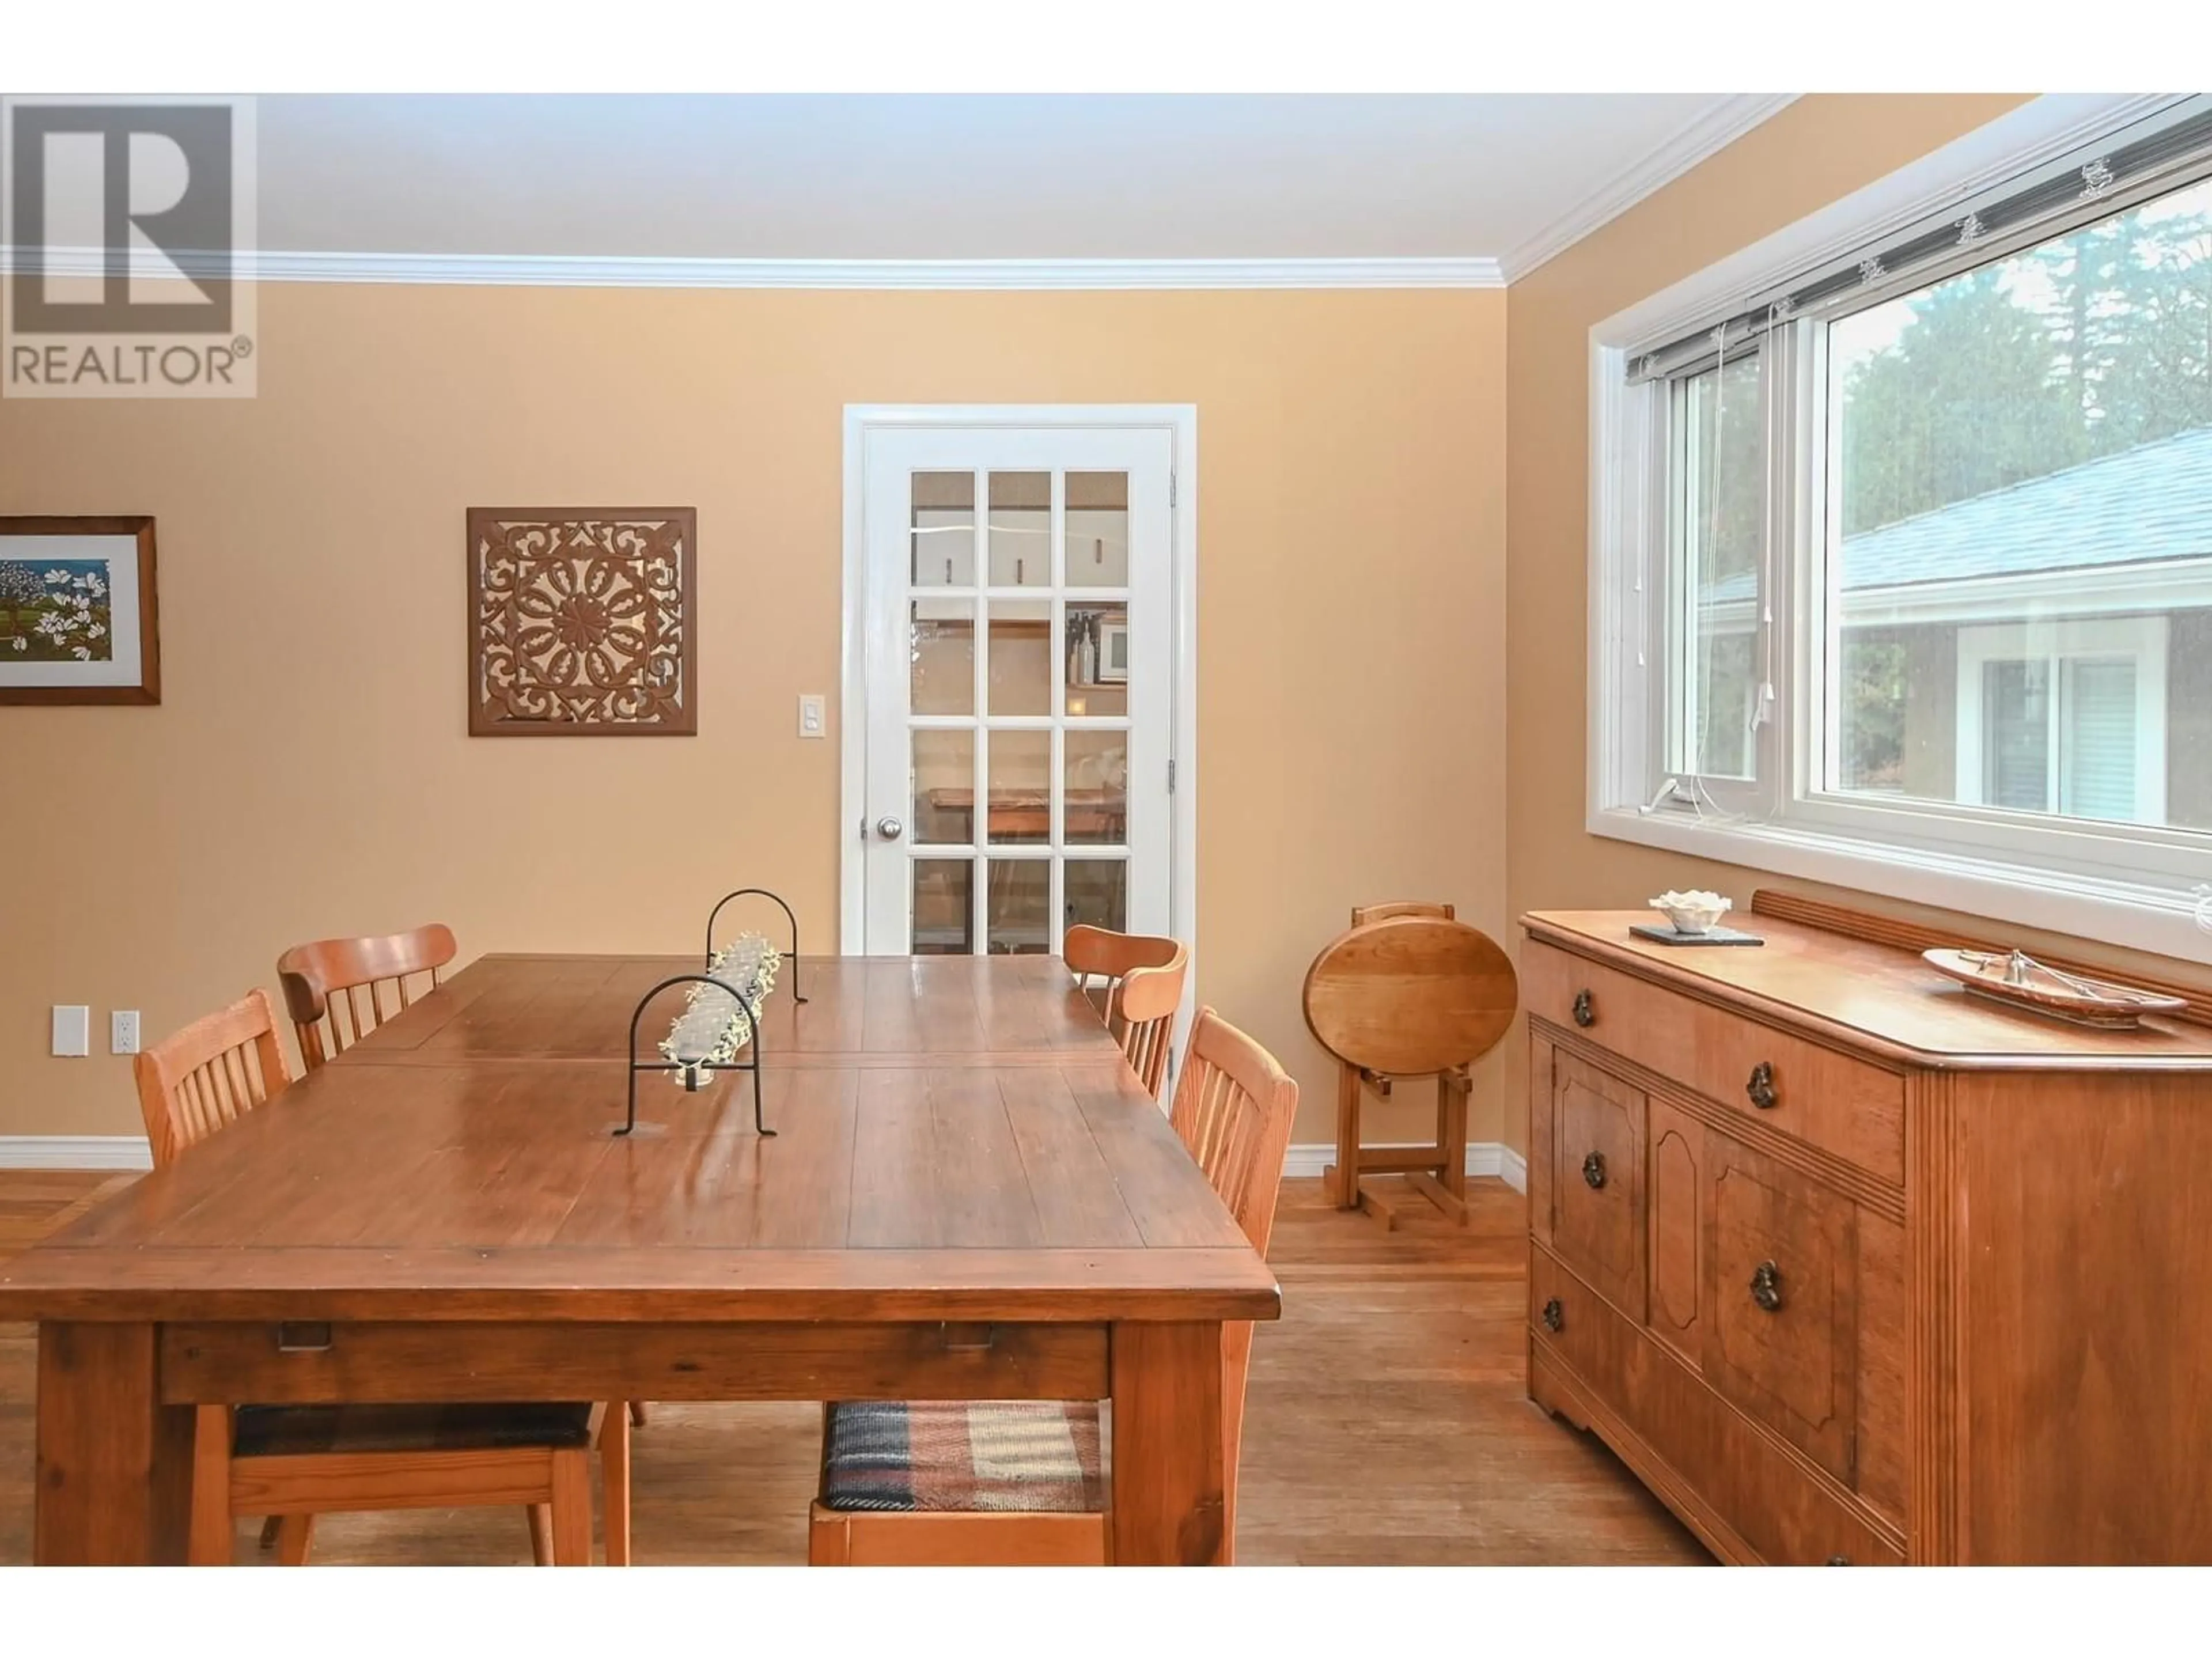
(1814, 152)
(308, 774)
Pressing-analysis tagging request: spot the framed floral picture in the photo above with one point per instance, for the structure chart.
(77, 622)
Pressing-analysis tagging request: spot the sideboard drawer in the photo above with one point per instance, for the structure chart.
(1785, 1515)
(1845, 1106)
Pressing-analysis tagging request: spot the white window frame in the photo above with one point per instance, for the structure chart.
(2123, 883)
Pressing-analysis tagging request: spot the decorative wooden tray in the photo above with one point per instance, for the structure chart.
(2021, 981)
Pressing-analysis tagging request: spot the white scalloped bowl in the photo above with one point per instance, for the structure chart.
(1692, 912)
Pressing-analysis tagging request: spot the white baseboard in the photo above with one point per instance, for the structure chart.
(75, 1152)
(1484, 1158)
(1512, 1168)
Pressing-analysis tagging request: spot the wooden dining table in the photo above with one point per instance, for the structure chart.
(968, 1196)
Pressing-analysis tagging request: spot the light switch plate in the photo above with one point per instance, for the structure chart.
(122, 1032)
(72, 1030)
(813, 716)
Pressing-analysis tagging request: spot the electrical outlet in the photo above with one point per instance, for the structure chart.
(813, 716)
(72, 1030)
(122, 1032)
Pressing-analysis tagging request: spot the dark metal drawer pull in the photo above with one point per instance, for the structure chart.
(1585, 1011)
(1594, 1171)
(1840, 1560)
(303, 1336)
(1761, 1086)
(1767, 1286)
(1555, 1314)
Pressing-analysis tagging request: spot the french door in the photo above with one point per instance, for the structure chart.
(1017, 653)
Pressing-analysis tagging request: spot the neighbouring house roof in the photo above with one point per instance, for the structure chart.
(2149, 503)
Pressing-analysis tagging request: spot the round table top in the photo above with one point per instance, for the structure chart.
(1410, 995)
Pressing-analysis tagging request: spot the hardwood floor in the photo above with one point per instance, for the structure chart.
(1387, 1422)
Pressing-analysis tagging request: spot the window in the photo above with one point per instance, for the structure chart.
(1909, 562)
(1719, 489)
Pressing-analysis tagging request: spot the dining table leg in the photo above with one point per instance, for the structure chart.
(1168, 1502)
(114, 1464)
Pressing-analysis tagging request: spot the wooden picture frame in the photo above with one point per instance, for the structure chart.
(79, 618)
(583, 622)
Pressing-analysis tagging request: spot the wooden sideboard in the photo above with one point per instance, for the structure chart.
(1850, 1267)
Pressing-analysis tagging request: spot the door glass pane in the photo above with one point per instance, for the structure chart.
(1098, 793)
(1722, 531)
(1021, 529)
(2016, 740)
(1019, 907)
(1097, 653)
(943, 531)
(1021, 657)
(944, 787)
(1097, 893)
(944, 907)
(1021, 786)
(944, 652)
(1096, 532)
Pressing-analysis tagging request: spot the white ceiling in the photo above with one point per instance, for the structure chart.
(1506, 177)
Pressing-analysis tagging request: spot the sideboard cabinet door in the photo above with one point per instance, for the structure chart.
(1597, 1180)
(1782, 1287)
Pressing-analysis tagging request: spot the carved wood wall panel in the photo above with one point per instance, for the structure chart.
(583, 622)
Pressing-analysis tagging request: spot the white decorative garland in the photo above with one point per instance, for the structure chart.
(717, 1022)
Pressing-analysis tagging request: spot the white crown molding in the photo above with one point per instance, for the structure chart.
(75, 1152)
(1484, 1158)
(1707, 136)
(578, 270)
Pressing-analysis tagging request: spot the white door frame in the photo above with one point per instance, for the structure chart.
(1180, 421)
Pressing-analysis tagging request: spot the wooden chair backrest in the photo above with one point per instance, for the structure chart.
(1233, 1107)
(209, 1075)
(1143, 979)
(1364, 914)
(324, 983)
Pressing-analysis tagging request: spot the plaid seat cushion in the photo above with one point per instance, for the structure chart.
(1019, 1454)
(293, 1431)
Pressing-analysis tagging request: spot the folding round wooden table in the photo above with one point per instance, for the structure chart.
(1408, 991)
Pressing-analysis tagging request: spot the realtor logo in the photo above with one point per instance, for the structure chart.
(127, 229)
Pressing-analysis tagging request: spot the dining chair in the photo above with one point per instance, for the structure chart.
(324, 982)
(292, 1462)
(1142, 980)
(1023, 1483)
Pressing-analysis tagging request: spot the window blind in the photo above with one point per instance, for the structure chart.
(2089, 184)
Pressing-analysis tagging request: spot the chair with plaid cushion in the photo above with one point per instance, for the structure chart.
(1024, 1483)
(294, 1462)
